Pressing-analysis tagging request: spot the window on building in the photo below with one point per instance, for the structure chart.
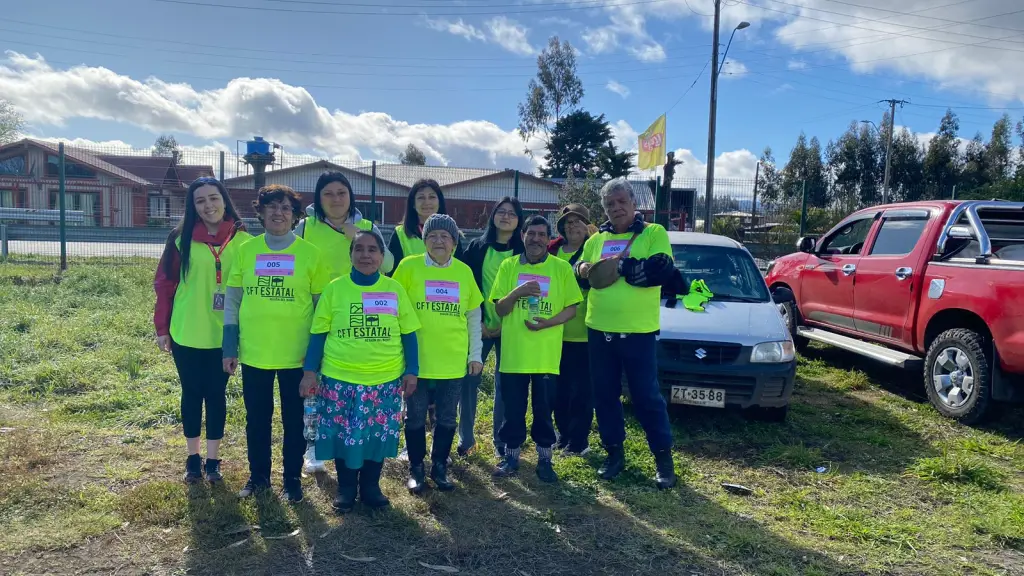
(86, 202)
(898, 236)
(13, 166)
(366, 209)
(159, 208)
(7, 199)
(71, 170)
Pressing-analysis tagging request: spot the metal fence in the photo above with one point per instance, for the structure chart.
(60, 203)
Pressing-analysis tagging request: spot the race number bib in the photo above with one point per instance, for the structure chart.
(380, 303)
(441, 291)
(544, 281)
(275, 265)
(612, 248)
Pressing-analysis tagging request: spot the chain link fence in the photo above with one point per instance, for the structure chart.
(61, 204)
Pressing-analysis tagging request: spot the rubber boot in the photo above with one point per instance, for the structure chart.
(442, 448)
(416, 442)
(369, 485)
(348, 480)
(614, 464)
(665, 477)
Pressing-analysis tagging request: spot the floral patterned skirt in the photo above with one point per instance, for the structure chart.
(358, 423)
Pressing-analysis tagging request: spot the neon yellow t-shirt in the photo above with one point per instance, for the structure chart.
(492, 260)
(194, 321)
(364, 326)
(442, 297)
(575, 330)
(411, 245)
(277, 301)
(524, 351)
(622, 308)
(334, 245)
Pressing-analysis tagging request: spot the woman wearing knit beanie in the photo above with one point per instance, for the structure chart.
(447, 301)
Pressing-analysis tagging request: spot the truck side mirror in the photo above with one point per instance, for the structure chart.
(806, 244)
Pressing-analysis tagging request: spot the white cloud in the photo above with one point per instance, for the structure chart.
(653, 52)
(510, 35)
(796, 65)
(735, 165)
(499, 30)
(617, 88)
(624, 136)
(627, 29)
(287, 114)
(456, 27)
(733, 69)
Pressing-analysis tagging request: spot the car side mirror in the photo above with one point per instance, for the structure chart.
(806, 244)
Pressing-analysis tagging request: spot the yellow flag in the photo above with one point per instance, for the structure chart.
(652, 146)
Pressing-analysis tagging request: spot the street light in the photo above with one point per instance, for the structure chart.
(713, 113)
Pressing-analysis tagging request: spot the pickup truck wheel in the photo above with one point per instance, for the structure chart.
(958, 377)
(784, 299)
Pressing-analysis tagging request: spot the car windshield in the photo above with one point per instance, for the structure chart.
(730, 273)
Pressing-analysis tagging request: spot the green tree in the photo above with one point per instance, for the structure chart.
(806, 169)
(11, 123)
(412, 156)
(906, 178)
(976, 173)
(554, 91)
(612, 163)
(769, 182)
(167, 145)
(585, 191)
(999, 151)
(576, 145)
(942, 160)
(871, 159)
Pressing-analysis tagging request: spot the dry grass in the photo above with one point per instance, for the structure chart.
(91, 457)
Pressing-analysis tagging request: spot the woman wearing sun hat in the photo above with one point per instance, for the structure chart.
(574, 398)
(447, 301)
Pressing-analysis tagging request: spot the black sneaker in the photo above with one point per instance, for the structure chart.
(545, 472)
(507, 468)
(614, 464)
(194, 469)
(252, 487)
(293, 490)
(213, 474)
(464, 451)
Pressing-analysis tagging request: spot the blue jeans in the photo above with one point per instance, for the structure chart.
(637, 355)
(470, 394)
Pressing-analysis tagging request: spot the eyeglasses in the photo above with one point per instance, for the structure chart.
(506, 213)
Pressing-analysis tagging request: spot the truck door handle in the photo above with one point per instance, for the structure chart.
(849, 269)
(902, 273)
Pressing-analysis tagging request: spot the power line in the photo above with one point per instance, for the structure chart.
(421, 12)
(911, 13)
(860, 18)
(687, 91)
(898, 13)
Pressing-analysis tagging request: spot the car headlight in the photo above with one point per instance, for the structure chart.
(773, 352)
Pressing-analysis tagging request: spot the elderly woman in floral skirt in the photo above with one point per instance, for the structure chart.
(363, 342)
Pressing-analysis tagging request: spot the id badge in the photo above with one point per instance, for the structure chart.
(218, 301)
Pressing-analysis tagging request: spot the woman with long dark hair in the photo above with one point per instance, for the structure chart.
(189, 314)
(332, 222)
(425, 199)
(503, 239)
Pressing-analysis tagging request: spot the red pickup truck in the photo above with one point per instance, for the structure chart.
(936, 286)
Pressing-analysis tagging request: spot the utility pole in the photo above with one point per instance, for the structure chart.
(709, 190)
(888, 146)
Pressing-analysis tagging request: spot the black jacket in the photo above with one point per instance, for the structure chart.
(476, 252)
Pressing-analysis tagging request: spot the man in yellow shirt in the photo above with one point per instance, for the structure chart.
(534, 296)
(624, 320)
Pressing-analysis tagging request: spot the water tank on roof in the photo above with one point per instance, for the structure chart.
(257, 146)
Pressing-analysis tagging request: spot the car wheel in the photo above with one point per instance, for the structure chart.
(764, 414)
(958, 377)
(783, 298)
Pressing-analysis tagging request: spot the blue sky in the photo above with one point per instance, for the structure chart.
(447, 75)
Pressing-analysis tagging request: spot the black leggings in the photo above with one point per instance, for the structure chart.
(258, 394)
(202, 380)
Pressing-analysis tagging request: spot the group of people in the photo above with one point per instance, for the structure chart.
(380, 333)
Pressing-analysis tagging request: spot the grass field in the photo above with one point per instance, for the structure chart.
(91, 455)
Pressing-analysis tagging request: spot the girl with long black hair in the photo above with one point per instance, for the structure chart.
(189, 314)
(503, 239)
